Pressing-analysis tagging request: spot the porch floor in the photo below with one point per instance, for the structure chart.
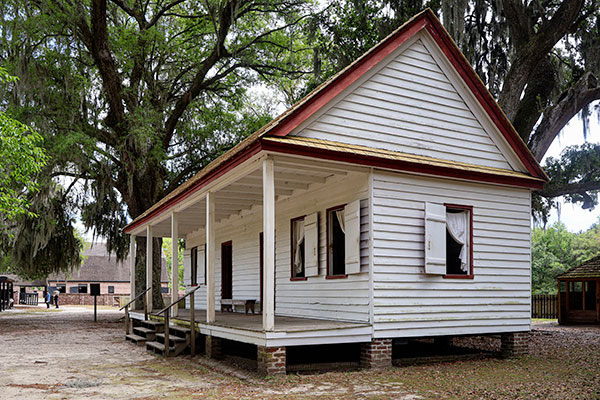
(251, 322)
(288, 331)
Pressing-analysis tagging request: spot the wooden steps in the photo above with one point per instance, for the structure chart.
(152, 334)
(137, 339)
(179, 341)
(146, 332)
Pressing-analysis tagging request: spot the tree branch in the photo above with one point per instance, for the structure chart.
(582, 93)
(225, 21)
(532, 47)
(106, 66)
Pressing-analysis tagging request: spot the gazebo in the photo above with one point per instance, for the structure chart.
(579, 293)
(6, 292)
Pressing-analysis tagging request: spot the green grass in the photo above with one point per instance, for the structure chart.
(544, 320)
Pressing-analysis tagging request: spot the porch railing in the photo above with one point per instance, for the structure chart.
(128, 325)
(192, 322)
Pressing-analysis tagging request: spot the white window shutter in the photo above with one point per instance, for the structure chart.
(435, 239)
(187, 267)
(311, 245)
(201, 261)
(352, 237)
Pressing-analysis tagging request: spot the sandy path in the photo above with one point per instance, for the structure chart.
(63, 354)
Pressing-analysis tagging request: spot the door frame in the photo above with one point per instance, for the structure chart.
(230, 282)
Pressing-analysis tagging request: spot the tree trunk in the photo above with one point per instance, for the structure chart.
(140, 272)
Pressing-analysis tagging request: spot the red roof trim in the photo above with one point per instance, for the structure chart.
(227, 166)
(482, 95)
(426, 20)
(348, 77)
(407, 166)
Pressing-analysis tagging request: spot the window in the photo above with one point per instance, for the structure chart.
(449, 240)
(73, 289)
(61, 288)
(83, 288)
(336, 243)
(111, 289)
(298, 249)
(459, 241)
(194, 266)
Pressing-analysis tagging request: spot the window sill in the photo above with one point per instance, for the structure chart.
(336, 276)
(459, 276)
(300, 278)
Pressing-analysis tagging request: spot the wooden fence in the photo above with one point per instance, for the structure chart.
(544, 306)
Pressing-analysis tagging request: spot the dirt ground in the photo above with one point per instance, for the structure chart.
(63, 354)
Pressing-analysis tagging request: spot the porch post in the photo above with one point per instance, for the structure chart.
(210, 257)
(132, 266)
(174, 261)
(149, 267)
(269, 244)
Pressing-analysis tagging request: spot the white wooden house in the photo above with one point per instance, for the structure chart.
(394, 201)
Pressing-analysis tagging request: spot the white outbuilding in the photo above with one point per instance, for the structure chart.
(394, 201)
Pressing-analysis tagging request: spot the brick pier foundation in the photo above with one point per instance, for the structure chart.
(213, 347)
(376, 354)
(514, 344)
(271, 360)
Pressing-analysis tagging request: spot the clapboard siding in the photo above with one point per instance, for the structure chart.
(409, 105)
(408, 302)
(317, 297)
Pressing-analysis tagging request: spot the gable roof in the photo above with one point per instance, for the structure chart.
(101, 266)
(328, 90)
(589, 269)
(18, 281)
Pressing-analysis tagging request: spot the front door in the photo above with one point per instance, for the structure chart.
(226, 271)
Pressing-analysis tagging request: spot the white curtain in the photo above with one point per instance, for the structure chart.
(340, 217)
(457, 227)
(299, 236)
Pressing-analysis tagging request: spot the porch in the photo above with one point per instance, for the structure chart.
(288, 331)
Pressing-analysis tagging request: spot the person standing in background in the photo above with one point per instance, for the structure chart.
(48, 299)
(56, 298)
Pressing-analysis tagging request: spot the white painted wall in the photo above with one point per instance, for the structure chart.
(407, 302)
(413, 102)
(317, 297)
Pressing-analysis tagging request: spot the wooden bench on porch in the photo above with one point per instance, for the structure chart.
(229, 304)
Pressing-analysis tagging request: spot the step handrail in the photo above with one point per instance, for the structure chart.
(135, 298)
(177, 301)
(192, 322)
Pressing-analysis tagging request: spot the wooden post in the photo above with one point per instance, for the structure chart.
(192, 326)
(268, 168)
(210, 257)
(567, 294)
(174, 261)
(132, 251)
(598, 300)
(127, 320)
(559, 307)
(148, 268)
(167, 345)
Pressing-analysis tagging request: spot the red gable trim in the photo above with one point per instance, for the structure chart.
(484, 97)
(230, 164)
(406, 166)
(349, 76)
(425, 20)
